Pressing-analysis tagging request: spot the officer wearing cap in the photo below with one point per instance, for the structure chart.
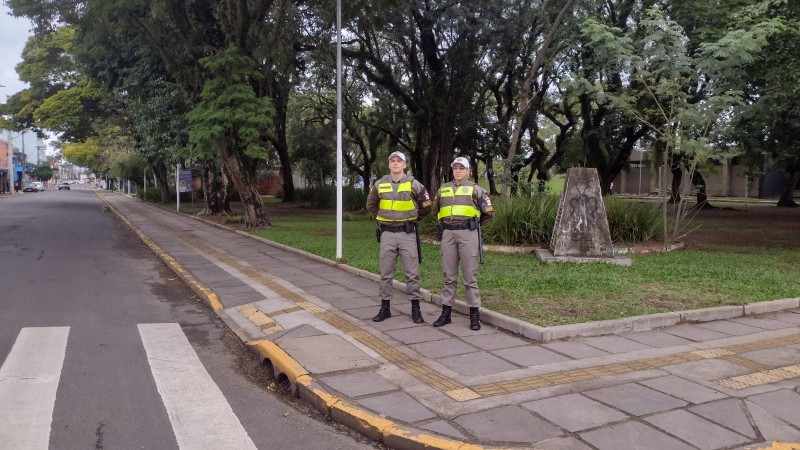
(398, 201)
(460, 207)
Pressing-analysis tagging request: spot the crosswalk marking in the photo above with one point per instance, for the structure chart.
(28, 384)
(200, 415)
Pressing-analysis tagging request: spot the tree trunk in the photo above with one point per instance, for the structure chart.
(243, 179)
(160, 171)
(787, 193)
(490, 176)
(677, 178)
(702, 197)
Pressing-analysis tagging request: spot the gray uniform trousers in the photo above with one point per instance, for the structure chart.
(460, 245)
(403, 245)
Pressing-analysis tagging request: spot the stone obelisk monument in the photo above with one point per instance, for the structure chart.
(581, 230)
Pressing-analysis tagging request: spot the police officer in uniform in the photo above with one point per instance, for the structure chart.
(398, 201)
(460, 207)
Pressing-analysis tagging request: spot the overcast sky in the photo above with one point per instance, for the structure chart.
(13, 34)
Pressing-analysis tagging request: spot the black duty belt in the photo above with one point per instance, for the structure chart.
(463, 225)
(390, 229)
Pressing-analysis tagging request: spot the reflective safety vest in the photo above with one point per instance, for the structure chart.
(457, 203)
(396, 206)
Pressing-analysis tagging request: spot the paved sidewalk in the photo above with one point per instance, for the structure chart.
(723, 384)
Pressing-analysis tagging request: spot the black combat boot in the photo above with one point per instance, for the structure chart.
(474, 319)
(444, 318)
(384, 313)
(416, 314)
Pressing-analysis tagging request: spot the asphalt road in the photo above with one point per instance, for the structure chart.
(84, 308)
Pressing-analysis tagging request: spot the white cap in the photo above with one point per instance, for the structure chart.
(460, 160)
(399, 155)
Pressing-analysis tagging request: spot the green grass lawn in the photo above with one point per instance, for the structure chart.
(749, 263)
(521, 286)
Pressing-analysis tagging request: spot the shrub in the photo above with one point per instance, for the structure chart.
(633, 221)
(325, 198)
(522, 220)
(153, 195)
(530, 221)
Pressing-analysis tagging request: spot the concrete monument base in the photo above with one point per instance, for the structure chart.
(547, 256)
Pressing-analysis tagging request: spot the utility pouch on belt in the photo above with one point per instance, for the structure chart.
(439, 232)
(378, 233)
(472, 224)
(409, 227)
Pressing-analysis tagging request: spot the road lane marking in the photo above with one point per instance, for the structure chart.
(201, 416)
(28, 385)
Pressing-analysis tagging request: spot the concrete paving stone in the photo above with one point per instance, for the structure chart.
(230, 300)
(775, 357)
(476, 364)
(656, 339)
(683, 389)
(574, 412)
(613, 344)
(495, 341)
(445, 429)
(783, 403)
(417, 334)
(274, 304)
(223, 283)
(561, 443)
(728, 413)
(508, 424)
(767, 324)
(694, 332)
(696, 430)
(787, 316)
(333, 290)
(326, 353)
(358, 384)
(364, 313)
(770, 426)
(310, 281)
(530, 355)
(460, 327)
(398, 405)
(732, 328)
(707, 370)
(632, 436)
(635, 399)
(396, 322)
(445, 347)
(574, 349)
(349, 301)
(294, 333)
(239, 289)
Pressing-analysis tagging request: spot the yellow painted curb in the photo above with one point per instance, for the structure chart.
(199, 288)
(281, 360)
(362, 421)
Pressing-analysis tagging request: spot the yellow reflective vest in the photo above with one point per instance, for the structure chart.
(456, 202)
(396, 201)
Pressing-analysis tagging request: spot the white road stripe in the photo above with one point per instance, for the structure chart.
(201, 417)
(28, 384)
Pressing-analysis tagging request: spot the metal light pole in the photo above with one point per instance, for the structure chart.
(338, 130)
(10, 163)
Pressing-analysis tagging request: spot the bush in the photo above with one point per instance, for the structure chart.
(153, 194)
(631, 221)
(530, 221)
(325, 198)
(522, 220)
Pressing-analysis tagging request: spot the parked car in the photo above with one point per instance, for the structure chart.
(30, 188)
(63, 185)
(39, 185)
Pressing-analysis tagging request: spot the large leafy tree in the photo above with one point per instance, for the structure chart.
(229, 118)
(770, 122)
